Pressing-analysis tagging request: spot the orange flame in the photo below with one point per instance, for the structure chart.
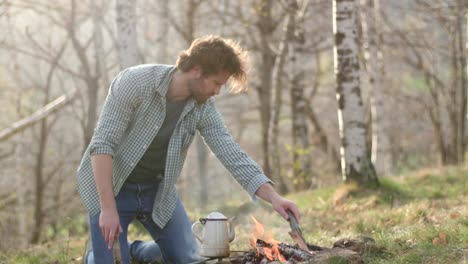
(272, 253)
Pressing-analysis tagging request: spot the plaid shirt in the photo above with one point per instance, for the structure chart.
(132, 114)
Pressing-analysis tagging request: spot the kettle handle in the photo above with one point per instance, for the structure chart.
(193, 230)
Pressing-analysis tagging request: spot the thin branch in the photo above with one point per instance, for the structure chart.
(42, 58)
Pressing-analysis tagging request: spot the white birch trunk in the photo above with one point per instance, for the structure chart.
(380, 152)
(101, 67)
(354, 162)
(163, 30)
(126, 33)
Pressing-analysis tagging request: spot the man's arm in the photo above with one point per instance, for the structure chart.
(121, 101)
(245, 170)
(109, 219)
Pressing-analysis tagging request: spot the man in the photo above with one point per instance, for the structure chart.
(148, 121)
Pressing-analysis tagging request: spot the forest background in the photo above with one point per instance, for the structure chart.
(57, 59)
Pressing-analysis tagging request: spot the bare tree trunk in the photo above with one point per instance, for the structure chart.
(39, 212)
(356, 166)
(21, 209)
(452, 100)
(462, 57)
(277, 85)
(267, 60)
(57, 197)
(300, 136)
(126, 33)
(324, 144)
(39, 184)
(90, 77)
(92, 113)
(372, 45)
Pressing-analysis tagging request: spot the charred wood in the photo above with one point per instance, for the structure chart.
(289, 252)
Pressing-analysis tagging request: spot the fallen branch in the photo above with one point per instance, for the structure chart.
(37, 116)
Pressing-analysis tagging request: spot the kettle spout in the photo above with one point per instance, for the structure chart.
(232, 232)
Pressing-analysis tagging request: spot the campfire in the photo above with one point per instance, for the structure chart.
(265, 249)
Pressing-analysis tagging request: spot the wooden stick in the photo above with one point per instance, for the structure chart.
(296, 235)
(116, 252)
(299, 240)
(296, 232)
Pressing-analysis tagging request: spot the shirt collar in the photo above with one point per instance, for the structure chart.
(164, 86)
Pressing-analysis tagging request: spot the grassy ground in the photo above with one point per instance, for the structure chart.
(421, 217)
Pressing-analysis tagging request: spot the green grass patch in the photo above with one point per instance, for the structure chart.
(419, 217)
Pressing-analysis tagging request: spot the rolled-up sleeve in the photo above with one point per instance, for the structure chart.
(120, 103)
(243, 168)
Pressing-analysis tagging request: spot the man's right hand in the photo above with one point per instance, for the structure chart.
(110, 226)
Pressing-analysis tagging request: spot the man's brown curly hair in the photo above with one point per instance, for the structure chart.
(215, 54)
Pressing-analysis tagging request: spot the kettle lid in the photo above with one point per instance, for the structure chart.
(215, 215)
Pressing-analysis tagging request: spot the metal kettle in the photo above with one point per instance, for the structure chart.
(218, 232)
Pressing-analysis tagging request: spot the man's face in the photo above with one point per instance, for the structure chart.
(203, 87)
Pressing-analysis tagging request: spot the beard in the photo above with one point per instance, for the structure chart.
(197, 90)
(201, 99)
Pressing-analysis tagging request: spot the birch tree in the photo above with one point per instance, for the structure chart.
(355, 165)
(373, 54)
(126, 33)
(161, 28)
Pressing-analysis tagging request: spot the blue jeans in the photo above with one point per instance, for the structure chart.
(175, 243)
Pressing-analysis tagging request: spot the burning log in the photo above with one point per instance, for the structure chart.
(289, 252)
(295, 253)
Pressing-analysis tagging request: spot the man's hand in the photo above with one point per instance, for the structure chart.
(110, 226)
(280, 204)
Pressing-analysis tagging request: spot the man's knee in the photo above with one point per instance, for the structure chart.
(145, 251)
